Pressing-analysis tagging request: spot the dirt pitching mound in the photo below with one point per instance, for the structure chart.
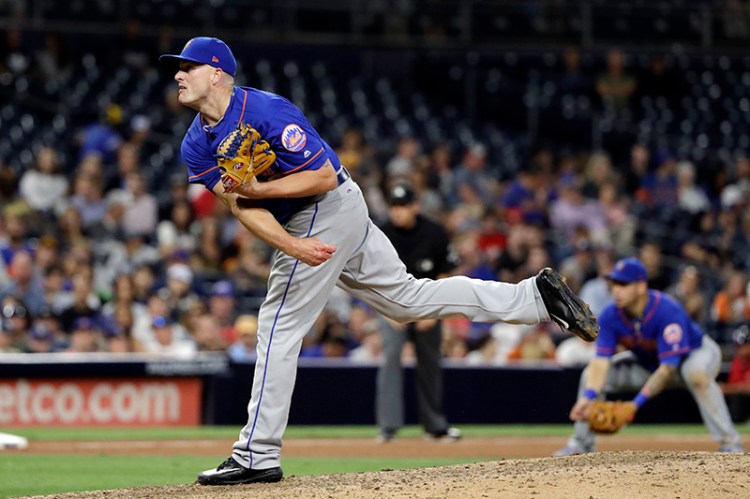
(619, 474)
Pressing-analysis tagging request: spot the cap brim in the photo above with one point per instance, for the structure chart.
(618, 278)
(172, 60)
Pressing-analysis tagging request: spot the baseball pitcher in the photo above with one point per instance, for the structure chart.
(259, 154)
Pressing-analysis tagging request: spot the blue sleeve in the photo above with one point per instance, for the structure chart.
(673, 342)
(296, 143)
(606, 343)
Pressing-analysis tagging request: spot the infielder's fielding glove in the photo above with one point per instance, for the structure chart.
(242, 155)
(610, 416)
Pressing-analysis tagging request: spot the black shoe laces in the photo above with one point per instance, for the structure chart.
(229, 463)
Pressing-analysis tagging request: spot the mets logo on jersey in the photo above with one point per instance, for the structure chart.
(293, 138)
(673, 334)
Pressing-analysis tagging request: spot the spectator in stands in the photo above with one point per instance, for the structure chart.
(7, 339)
(43, 187)
(688, 291)
(48, 320)
(47, 253)
(221, 305)
(40, 339)
(356, 153)
(81, 301)
(370, 349)
(732, 242)
(17, 237)
(597, 172)
(661, 185)
(53, 283)
(123, 295)
(206, 334)
(102, 137)
(243, 350)
(403, 163)
(580, 266)
(615, 86)
(52, 62)
(208, 254)
(71, 225)
(691, 197)
(14, 57)
(572, 210)
(85, 336)
(636, 168)
(485, 353)
(737, 190)
(521, 238)
(331, 343)
(472, 184)
(177, 232)
(651, 254)
(128, 163)
(621, 224)
(141, 210)
(737, 386)
(574, 352)
(165, 340)
(88, 200)
(735, 17)
(144, 281)
(441, 170)
(179, 293)
(25, 283)
(731, 305)
(596, 291)
(535, 344)
(15, 321)
(572, 80)
(526, 197)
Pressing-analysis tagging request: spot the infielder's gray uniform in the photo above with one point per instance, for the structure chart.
(626, 374)
(366, 265)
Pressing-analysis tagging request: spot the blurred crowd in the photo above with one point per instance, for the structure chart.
(102, 252)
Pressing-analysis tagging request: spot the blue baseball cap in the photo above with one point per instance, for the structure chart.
(222, 288)
(628, 270)
(205, 50)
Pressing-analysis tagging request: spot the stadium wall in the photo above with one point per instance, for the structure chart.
(212, 390)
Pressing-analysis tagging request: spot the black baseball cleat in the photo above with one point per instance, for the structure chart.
(230, 472)
(564, 307)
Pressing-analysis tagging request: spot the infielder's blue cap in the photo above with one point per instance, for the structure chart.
(205, 50)
(628, 270)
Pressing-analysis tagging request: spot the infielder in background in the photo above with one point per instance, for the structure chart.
(660, 341)
(307, 207)
(423, 246)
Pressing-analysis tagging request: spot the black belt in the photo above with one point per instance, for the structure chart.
(342, 175)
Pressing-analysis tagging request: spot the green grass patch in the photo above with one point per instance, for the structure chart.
(364, 431)
(74, 473)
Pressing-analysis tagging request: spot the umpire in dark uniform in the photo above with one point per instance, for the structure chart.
(423, 246)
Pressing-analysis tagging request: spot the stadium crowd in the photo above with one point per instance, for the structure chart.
(102, 252)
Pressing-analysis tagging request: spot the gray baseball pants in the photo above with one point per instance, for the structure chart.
(367, 266)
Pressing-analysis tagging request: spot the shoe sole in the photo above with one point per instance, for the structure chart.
(270, 475)
(585, 325)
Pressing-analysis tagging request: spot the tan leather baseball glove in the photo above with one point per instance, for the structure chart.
(610, 416)
(242, 155)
